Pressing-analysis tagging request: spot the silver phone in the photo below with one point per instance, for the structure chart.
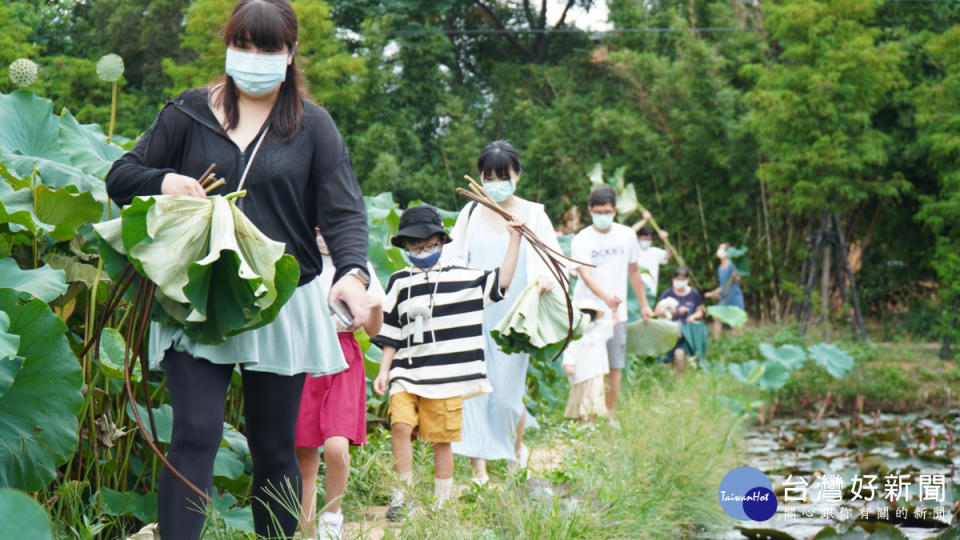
(341, 312)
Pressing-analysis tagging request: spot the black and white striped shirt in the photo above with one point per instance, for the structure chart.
(448, 361)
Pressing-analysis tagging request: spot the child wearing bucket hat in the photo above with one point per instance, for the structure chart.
(432, 341)
(585, 363)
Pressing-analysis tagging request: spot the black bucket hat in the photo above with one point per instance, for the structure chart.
(418, 222)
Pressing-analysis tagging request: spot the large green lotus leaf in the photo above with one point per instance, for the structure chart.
(43, 283)
(258, 254)
(66, 210)
(729, 315)
(385, 260)
(836, 361)
(38, 414)
(126, 503)
(74, 269)
(227, 464)
(775, 375)
(748, 372)
(30, 138)
(535, 321)
(652, 337)
(165, 235)
(9, 343)
(87, 146)
(162, 418)
(16, 207)
(627, 203)
(23, 517)
(9, 367)
(792, 357)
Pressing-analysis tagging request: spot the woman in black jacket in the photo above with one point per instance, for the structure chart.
(259, 129)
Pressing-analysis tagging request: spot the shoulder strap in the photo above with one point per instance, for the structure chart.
(246, 170)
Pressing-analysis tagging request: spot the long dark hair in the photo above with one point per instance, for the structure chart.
(498, 158)
(267, 25)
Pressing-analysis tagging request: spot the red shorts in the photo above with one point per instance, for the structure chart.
(335, 405)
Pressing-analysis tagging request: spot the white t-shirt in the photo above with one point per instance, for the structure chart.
(611, 251)
(650, 260)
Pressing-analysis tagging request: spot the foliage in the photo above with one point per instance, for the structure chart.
(25, 518)
(782, 361)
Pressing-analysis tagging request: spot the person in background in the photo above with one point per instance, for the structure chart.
(689, 309)
(255, 119)
(651, 257)
(613, 250)
(432, 341)
(729, 292)
(333, 414)
(493, 424)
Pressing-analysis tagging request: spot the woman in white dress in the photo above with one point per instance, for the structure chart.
(493, 424)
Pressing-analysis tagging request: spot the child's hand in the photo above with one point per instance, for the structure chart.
(570, 369)
(513, 227)
(380, 384)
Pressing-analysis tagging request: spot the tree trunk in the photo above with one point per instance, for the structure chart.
(948, 339)
(825, 290)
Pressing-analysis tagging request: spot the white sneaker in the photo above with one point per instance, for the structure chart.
(523, 457)
(480, 480)
(330, 526)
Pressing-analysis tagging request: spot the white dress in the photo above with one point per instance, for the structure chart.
(490, 421)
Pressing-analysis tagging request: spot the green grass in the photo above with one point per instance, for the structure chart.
(654, 477)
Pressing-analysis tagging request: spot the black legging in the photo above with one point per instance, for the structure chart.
(198, 389)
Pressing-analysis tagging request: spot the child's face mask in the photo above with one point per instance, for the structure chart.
(426, 258)
(679, 284)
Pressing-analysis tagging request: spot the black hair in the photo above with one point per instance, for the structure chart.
(646, 230)
(498, 157)
(681, 271)
(592, 313)
(269, 25)
(603, 195)
(412, 239)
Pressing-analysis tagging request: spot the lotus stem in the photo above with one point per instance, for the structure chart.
(215, 185)
(235, 194)
(113, 112)
(205, 176)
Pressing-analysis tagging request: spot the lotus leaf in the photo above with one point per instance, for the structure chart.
(738, 257)
(729, 315)
(836, 361)
(652, 337)
(792, 357)
(181, 244)
(127, 503)
(38, 413)
(43, 283)
(24, 518)
(535, 322)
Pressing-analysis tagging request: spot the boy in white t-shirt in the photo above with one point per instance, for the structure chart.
(651, 257)
(614, 250)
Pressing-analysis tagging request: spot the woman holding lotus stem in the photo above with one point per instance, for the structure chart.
(255, 124)
(493, 424)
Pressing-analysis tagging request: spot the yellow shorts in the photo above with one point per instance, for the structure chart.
(436, 420)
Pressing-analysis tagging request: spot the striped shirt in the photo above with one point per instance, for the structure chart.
(440, 356)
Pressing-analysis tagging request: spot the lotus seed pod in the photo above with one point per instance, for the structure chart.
(23, 72)
(110, 67)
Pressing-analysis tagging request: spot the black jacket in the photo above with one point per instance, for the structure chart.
(292, 185)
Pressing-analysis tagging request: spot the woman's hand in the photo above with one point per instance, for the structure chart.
(691, 318)
(513, 227)
(570, 369)
(683, 310)
(351, 292)
(613, 302)
(547, 284)
(380, 384)
(711, 294)
(178, 184)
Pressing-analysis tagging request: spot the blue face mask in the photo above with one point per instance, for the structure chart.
(500, 190)
(602, 221)
(425, 259)
(256, 74)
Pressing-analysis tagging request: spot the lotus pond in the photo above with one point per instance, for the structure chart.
(835, 477)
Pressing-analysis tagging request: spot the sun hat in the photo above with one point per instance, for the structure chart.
(587, 304)
(418, 222)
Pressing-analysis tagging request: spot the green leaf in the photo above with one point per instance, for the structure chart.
(227, 464)
(729, 315)
(738, 257)
(652, 337)
(16, 207)
(792, 357)
(43, 283)
(836, 361)
(24, 517)
(75, 271)
(38, 414)
(128, 503)
(775, 375)
(66, 210)
(162, 417)
(87, 146)
(30, 139)
(9, 343)
(111, 356)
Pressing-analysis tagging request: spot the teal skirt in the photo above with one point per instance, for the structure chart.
(302, 339)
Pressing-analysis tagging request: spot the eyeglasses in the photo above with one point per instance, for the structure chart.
(422, 248)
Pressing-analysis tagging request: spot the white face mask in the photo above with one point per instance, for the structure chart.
(644, 244)
(680, 284)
